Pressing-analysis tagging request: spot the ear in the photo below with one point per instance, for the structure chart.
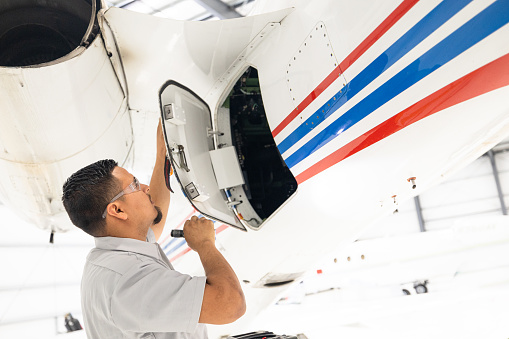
(115, 210)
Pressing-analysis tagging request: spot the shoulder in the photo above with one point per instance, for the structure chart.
(119, 262)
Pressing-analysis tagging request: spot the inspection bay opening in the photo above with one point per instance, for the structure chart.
(268, 181)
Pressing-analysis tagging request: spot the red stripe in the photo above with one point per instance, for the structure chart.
(218, 230)
(404, 7)
(221, 228)
(485, 79)
(401, 10)
(187, 250)
(308, 100)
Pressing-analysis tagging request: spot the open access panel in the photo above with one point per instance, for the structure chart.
(230, 170)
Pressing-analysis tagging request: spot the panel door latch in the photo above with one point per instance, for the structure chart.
(178, 150)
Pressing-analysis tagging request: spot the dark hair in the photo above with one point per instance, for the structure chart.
(87, 193)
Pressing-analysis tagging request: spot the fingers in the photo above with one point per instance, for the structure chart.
(194, 218)
(199, 232)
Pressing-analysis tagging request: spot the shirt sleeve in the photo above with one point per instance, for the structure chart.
(152, 298)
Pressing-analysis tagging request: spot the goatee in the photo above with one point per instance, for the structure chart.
(159, 215)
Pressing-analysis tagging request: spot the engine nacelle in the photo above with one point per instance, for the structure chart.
(36, 32)
(49, 129)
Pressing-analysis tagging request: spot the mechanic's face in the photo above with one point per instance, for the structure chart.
(137, 204)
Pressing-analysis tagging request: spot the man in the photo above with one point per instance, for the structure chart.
(129, 288)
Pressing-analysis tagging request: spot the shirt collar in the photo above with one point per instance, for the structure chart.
(128, 245)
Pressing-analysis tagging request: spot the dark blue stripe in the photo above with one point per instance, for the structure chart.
(173, 240)
(420, 31)
(179, 245)
(475, 30)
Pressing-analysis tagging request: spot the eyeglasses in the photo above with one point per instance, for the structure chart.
(133, 187)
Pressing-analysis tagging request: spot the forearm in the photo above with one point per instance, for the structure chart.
(228, 297)
(223, 299)
(218, 270)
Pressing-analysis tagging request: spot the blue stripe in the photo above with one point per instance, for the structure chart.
(475, 30)
(172, 241)
(179, 245)
(420, 31)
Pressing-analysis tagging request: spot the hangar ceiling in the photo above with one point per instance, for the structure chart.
(199, 10)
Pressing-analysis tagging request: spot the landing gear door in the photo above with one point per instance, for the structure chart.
(187, 127)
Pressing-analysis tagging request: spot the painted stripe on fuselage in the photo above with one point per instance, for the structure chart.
(174, 240)
(179, 226)
(420, 31)
(394, 17)
(488, 78)
(188, 249)
(482, 25)
(179, 242)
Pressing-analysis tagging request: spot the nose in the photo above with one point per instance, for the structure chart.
(145, 188)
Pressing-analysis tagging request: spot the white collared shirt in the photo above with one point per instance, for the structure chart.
(129, 289)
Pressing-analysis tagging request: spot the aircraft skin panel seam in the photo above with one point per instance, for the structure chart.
(349, 60)
(435, 19)
(413, 37)
(472, 32)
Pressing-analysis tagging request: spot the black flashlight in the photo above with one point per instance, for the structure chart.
(177, 233)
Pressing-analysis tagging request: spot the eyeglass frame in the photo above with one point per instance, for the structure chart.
(135, 186)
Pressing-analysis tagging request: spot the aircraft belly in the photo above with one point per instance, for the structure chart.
(362, 191)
